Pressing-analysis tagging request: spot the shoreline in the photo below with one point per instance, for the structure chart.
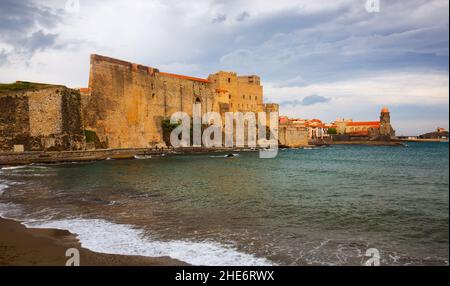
(43, 157)
(369, 143)
(22, 246)
(53, 157)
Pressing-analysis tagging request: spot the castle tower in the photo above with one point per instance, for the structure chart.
(385, 123)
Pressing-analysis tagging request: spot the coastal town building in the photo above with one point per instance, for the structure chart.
(316, 130)
(291, 134)
(373, 130)
(440, 133)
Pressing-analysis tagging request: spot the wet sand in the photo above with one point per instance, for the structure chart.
(21, 246)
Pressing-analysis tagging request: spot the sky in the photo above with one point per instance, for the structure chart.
(317, 59)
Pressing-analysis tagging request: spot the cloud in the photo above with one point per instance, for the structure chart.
(313, 99)
(38, 41)
(308, 100)
(23, 28)
(3, 57)
(220, 18)
(243, 16)
(297, 81)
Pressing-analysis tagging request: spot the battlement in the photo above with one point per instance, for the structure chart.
(184, 77)
(98, 59)
(271, 107)
(250, 79)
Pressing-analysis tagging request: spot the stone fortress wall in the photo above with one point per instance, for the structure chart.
(127, 102)
(41, 119)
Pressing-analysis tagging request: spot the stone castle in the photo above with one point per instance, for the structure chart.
(123, 107)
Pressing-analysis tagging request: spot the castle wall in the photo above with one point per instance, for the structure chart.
(45, 119)
(128, 102)
(245, 92)
(292, 136)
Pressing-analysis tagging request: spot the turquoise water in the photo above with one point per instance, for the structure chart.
(324, 206)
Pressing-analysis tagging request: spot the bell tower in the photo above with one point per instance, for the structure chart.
(385, 123)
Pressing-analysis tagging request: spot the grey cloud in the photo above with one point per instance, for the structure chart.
(342, 41)
(39, 40)
(18, 17)
(314, 99)
(243, 16)
(3, 57)
(306, 101)
(219, 18)
(23, 25)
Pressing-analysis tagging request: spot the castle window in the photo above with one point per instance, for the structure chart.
(256, 98)
(229, 80)
(153, 95)
(243, 97)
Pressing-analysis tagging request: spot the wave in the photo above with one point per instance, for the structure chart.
(10, 211)
(106, 237)
(31, 166)
(3, 187)
(14, 167)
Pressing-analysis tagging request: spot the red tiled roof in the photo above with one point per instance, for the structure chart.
(185, 77)
(369, 123)
(283, 119)
(84, 89)
(221, 90)
(315, 125)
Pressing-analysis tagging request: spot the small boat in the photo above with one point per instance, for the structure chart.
(142, 157)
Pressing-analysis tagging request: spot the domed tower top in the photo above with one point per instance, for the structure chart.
(385, 110)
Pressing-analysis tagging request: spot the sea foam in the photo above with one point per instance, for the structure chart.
(106, 237)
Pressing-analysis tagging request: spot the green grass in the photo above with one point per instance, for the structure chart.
(91, 136)
(23, 85)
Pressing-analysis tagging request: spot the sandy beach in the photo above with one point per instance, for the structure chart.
(20, 246)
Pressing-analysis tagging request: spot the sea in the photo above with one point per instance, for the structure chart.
(321, 206)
